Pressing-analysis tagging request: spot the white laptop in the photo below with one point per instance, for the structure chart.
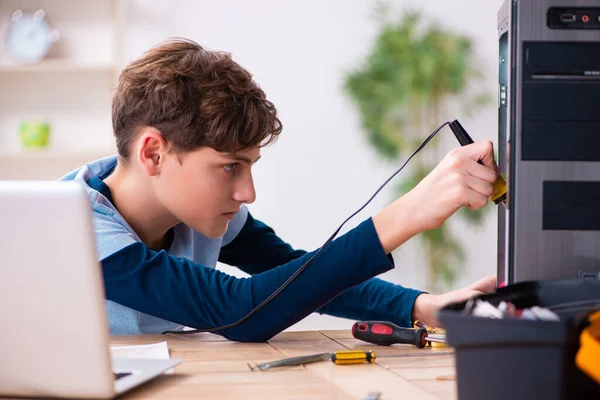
(54, 339)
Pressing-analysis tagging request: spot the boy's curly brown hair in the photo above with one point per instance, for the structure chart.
(195, 98)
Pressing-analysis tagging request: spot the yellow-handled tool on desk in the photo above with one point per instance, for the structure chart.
(341, 358)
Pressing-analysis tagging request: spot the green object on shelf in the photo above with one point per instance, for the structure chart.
(34, 134)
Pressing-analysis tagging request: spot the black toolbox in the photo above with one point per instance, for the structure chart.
(521, 359)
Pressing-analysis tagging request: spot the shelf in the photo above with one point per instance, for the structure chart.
(55, 155)
(45, 164)
(57, 65)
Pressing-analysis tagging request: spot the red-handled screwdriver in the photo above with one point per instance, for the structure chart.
(386, 333)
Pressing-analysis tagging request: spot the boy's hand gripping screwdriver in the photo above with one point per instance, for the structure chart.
(387, 333)
(499, 194)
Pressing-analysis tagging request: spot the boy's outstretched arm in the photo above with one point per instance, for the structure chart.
(178, 290)
(257, 249)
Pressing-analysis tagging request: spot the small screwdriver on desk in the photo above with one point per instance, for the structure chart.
(386, 333)
(343, 357)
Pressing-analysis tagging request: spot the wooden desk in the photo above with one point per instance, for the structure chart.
(215, 368)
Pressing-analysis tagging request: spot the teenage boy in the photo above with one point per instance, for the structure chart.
(189, 125)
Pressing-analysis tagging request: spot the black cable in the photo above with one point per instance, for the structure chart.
(303, 267)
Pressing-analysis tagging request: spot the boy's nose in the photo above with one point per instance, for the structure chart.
(245, 192)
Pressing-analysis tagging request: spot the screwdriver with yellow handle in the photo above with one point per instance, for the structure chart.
(337, 357)
(340, 358)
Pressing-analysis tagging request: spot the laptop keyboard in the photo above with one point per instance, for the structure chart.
(119, 375)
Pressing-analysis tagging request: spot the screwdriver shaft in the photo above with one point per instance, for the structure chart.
(430, 338)
(419, 354)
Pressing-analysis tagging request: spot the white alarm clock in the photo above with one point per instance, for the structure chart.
(29, 36)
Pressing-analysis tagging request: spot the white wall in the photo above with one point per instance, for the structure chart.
(321, 169)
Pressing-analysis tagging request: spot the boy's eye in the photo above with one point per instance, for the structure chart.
(230, 167)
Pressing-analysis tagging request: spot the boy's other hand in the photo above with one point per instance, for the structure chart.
(427, 305)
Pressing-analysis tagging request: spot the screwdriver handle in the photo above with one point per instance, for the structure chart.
(461, 134)
(387, 333)
(352, 357)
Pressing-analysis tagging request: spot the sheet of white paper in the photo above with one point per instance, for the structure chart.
(155, 350)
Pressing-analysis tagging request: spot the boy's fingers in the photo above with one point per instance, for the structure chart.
(480, 186)
(486, 284)
(482, 172)
(483, 151)
(476, 200)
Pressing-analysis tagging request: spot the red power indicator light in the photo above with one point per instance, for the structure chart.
(585, 18)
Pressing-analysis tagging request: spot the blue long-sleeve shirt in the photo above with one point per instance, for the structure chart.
(257, 249)
(150, 292)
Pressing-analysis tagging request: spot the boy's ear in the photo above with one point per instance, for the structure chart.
(152, 149)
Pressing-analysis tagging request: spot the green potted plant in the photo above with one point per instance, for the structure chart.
(415, 77)
(34, 134)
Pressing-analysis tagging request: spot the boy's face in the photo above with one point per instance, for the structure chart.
(207, 188)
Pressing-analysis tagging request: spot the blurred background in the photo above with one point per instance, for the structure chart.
(358, 84)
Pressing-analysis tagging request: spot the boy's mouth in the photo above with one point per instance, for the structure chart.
(229, 215)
